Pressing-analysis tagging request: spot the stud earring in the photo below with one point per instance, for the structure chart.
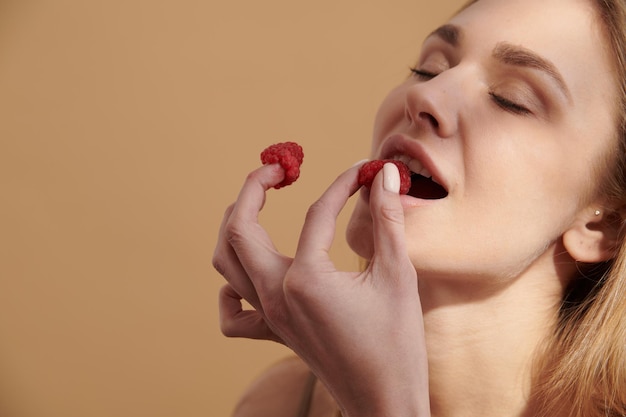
(597, 212)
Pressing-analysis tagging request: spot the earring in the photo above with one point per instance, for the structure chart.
(597, 212)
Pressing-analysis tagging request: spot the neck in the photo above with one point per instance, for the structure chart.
(482, 339)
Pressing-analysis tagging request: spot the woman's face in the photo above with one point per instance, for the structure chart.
(511, 109)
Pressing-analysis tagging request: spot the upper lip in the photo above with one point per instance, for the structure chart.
(398, 144)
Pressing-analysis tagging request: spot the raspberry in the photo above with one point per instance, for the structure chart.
(368, 171)
(289, 155)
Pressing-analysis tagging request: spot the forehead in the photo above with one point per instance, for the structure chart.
(546, 25)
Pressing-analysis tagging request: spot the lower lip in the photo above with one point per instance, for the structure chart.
(411, 202)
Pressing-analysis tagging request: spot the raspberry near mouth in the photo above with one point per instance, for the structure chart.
(425, 188)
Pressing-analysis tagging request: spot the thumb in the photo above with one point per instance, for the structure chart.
(388, 216)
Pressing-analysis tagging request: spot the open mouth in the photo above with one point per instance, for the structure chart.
(425, 188)
(422, 184)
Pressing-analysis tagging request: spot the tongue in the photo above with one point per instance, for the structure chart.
(425, 188)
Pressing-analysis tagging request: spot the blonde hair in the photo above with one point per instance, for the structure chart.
(582, 372)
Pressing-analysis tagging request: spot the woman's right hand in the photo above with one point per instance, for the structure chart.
(361, 333)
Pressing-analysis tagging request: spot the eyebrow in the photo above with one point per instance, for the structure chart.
(508, 54)
(449, 33)
(520, 56)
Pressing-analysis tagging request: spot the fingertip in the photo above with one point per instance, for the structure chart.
(267, 176)
(251, 198)
(391, 178)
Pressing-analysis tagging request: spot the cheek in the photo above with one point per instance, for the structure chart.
(535, 167)
(530, 189)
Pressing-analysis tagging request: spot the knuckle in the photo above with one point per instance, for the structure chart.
(229, 210)
(254, 175)
(225, 292)
(318, 208)
(392, 215)
(275, 314)
(227, 328)
(234, 232)
(297, 287)
(218, 264)
(294, 288)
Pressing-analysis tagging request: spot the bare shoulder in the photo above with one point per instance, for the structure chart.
(280, 390)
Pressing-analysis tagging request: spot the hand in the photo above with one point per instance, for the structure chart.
(360, 332)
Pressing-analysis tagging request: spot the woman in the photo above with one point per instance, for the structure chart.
(500, 291)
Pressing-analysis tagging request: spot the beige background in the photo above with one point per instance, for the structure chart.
(126, 128)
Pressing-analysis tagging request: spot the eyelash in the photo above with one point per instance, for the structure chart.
(509, 105)
(423, 75)
(502, 102)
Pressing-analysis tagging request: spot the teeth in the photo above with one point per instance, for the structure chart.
(425, 173)
(403, 158)
(414, 165)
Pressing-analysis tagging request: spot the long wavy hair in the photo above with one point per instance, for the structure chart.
(581, 370)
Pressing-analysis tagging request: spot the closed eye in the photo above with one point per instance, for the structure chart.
(421, 74)
(509, 105)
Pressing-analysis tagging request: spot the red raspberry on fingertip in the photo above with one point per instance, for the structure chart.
(289, 155)
(368, 171)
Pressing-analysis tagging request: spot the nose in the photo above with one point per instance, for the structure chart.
(434, 104)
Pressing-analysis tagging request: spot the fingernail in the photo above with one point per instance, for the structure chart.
(391, 178)
(361, 162)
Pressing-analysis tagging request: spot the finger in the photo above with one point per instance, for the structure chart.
(388, 215)
(252, 247)
(321, 219)
(251, 197)
(226, 262)
(236, 322)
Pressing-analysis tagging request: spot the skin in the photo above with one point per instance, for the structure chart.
(464, 288)
(499, 165)
(492, 258)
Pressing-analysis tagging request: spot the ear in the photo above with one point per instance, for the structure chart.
(594, 235)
